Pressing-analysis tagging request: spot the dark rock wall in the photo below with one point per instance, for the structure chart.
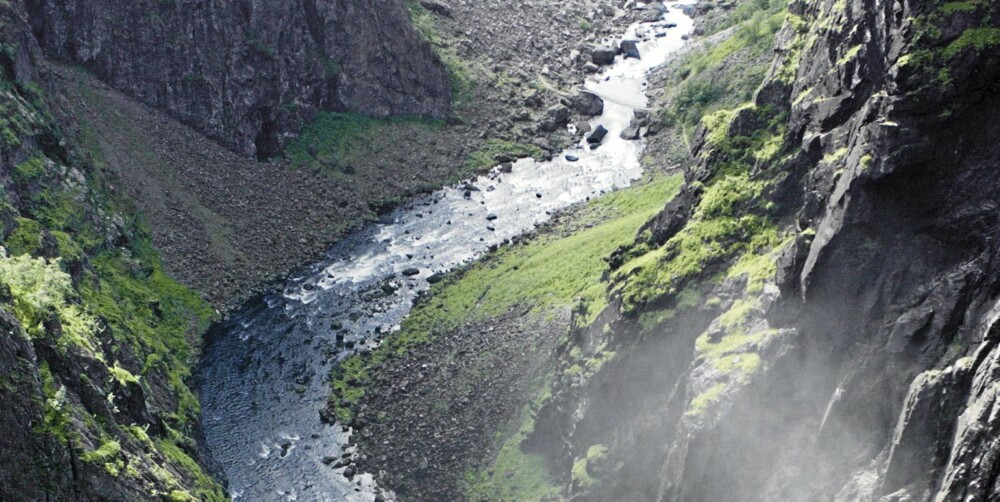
(878, 375)
(249, 73)
(21, 391)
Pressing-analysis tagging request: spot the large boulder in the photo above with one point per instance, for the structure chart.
(630, 49)
(588, 104)
(547, 126)
(603, 56)
(598, 135)
(632, 132)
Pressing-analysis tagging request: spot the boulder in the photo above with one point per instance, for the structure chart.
(547, 126)
(558, 114)
(631, 132)
(650, 16)
(350, 472)
(598, 135)
(437, 6)
(630, 49)
(588, 104)
(602, 56)
(654, 128)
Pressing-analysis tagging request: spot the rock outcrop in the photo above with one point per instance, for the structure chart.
(250, 73)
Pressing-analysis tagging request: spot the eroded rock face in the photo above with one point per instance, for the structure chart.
(249, 73)
(36, 454)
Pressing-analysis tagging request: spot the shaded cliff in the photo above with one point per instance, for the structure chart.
(813, 318)
(250, 73)
(97, 340)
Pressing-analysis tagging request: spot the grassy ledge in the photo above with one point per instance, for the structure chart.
(558, 268)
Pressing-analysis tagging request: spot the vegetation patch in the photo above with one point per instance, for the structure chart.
(559, 268)
(26, 237)
(581, 368)
(493, 149)
(836, 155)
(40, 291)
(759, 267)
(107, 455)
(730, 345)
(460, 74)
(725, 73)
(56, 419)
(122, 376)
(975, 39)
(152, 312)
(728, 350)
(730, 220)
(704, 242)
(515, 474)
(581, 477)
(205, 488)
(701, 403)
(334, 143)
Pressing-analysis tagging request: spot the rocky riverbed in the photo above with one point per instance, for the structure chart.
(264, 376)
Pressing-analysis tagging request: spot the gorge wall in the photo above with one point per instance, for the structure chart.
(98, 340)
(814, 317)
(250, 73)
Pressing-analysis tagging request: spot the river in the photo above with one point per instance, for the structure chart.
(264, 374)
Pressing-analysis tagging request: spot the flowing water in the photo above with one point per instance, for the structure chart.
(264, 376)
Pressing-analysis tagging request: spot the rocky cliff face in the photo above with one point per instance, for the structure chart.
(250, 73)
(96, 340)
(814, 318)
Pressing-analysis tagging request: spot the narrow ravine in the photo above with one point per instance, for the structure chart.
(264, 374)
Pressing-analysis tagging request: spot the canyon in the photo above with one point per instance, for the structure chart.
(401, 250)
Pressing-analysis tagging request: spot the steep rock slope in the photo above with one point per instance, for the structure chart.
(250, 73)
(97, 340)
(813, 318)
